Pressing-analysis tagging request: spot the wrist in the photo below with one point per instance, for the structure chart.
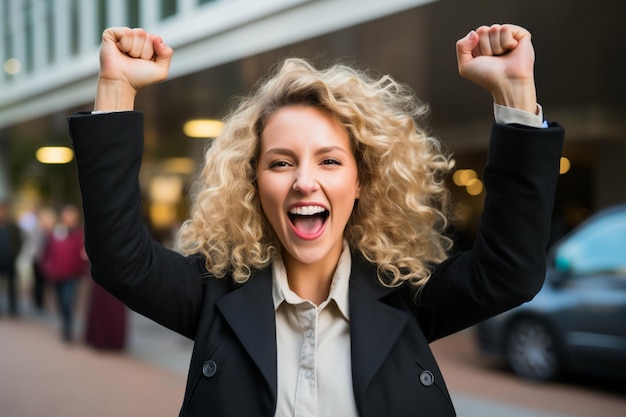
(522, 96)
(114, 95)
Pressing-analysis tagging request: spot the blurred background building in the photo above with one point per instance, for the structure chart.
(49, 58)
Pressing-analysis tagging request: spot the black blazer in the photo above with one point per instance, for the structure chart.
(233, 365)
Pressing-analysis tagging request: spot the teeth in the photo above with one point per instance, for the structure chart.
(307, 210)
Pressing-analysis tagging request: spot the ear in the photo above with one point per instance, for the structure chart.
(358, 190)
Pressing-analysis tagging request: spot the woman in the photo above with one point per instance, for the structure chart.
(316, 271)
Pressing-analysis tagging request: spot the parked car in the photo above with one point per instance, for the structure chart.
(577, 322)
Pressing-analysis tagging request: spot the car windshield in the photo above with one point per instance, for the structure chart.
(598, 247)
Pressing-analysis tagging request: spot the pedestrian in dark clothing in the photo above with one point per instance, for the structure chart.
(46, 220)
(10, 246)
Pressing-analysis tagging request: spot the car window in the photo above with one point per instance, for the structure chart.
(598, 247)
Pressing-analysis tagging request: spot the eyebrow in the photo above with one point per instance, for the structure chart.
(321, 151)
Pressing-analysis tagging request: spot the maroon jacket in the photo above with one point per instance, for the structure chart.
(63, 257)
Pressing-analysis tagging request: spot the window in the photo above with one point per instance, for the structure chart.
(101, 12)
(50, 36)
(5, 33)
(132, 10)
(29, 55)
(168, 8)
(74, 28)
(600, 246)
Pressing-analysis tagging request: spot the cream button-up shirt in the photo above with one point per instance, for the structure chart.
(314, 361)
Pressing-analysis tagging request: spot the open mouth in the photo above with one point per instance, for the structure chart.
(308, 220)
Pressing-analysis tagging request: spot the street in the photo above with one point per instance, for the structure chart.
(467, 372)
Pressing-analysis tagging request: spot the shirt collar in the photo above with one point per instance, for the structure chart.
(338, 287)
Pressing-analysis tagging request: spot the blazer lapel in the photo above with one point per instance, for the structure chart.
(374, 325)
(249, 310)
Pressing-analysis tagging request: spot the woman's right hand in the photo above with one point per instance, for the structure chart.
(130, 59)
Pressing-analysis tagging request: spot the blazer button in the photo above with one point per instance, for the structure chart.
(427, 378)
(209, 368)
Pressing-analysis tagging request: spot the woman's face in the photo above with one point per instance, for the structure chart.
(307, 180)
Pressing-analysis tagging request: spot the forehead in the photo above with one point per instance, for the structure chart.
(304, 123)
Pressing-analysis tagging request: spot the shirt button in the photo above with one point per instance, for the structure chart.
(308, 374)
(209, 368)
(309, 333)
(427, 378)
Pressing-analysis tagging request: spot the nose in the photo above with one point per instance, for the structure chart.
(305, 182)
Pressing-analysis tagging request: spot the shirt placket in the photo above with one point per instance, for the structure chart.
(306, 402)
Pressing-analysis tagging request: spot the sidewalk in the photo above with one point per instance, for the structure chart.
(41, 376)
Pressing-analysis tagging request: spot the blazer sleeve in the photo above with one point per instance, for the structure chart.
(150, 279)
(507, 263)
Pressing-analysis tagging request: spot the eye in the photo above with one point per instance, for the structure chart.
(279, 164)
(331, 161)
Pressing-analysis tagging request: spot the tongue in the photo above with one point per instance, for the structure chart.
(308, 224)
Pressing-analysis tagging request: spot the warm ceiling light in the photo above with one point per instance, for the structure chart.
(474, 186)
(203, 128)
(565, 165)
(162, 215)
(54, 155)
(12, 66)
(180, 165)
(166, 189)
(462, 176)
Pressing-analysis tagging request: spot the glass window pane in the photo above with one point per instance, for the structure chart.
(102, 19)
(132, 9)
(49, 29)
(29, 38)
(168, 8)
(74, 28)
(601, 246)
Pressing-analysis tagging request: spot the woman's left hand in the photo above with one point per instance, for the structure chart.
(500, 58)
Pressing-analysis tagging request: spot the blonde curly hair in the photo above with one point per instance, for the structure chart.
(399, 220)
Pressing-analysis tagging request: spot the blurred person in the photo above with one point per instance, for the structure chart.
(315, 270)
(10, 246)
(106, 321)
(46, 219)
(27, 221)
(64, 263)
